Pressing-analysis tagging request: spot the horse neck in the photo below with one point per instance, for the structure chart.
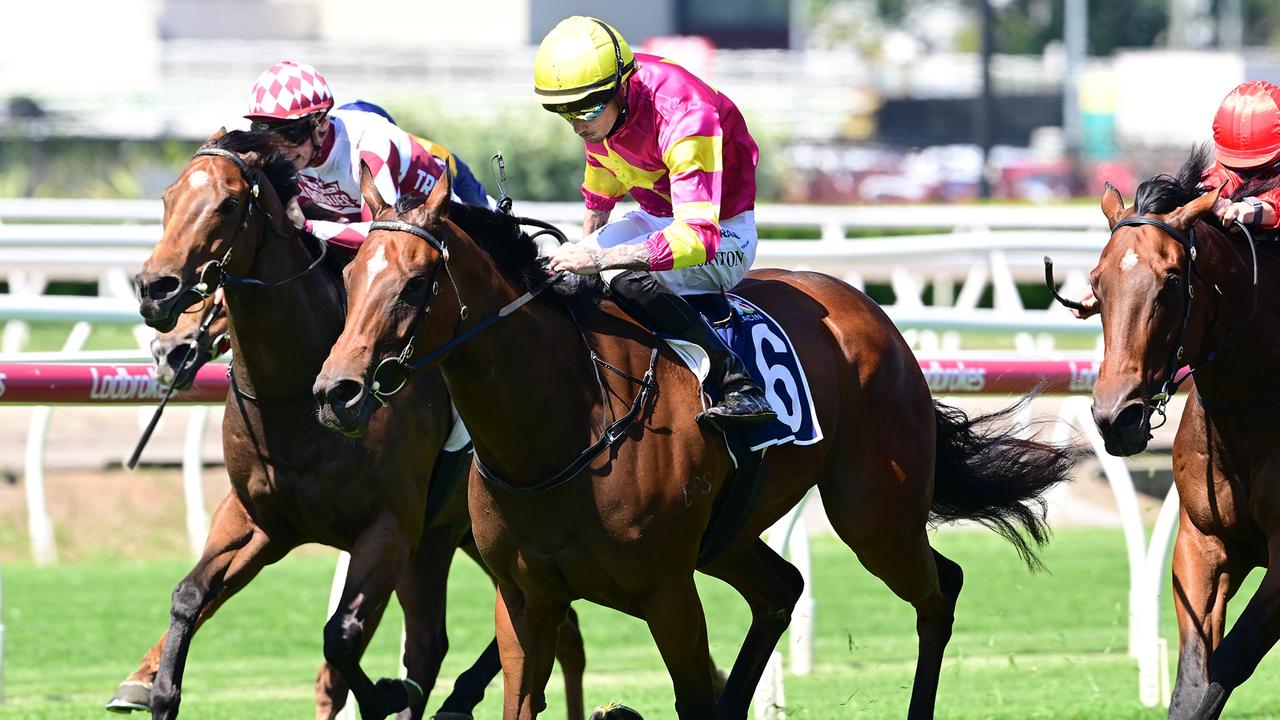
(1239, 357)
(281, 335)
(525, 387)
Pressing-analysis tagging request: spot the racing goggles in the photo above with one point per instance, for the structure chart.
(587, 115)
(294, 132)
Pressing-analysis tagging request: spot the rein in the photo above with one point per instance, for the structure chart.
(214, 272)
(400, 364)
(1157, 403)
(610, 435)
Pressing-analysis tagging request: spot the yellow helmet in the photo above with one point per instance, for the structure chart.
(580, 63)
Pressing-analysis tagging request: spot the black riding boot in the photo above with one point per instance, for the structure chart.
(742, 402)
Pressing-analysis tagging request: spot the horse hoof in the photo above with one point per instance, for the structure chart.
(397, 694)
(414, 691)
(452, 716)
(130, 696)
(615, 711)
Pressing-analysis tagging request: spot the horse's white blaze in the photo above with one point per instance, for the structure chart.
(198, 179)
(1129, 260)
(377, 264)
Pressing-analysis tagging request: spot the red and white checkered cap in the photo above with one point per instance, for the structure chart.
(288, 90)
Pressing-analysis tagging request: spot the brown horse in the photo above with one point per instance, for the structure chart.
(181, 352)
(624, 530)
(225, 224)
(170, 350)
(1174, 288)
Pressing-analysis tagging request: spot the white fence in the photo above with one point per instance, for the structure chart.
(976, 247)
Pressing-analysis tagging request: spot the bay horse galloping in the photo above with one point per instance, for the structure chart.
(1174, 288)
(225, 224)
(560, 373)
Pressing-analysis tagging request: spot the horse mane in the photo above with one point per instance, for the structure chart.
(1165, 193)
(279, 171)
(502, 238)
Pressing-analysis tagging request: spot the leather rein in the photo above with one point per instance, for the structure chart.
(214, 273)
(610, 436)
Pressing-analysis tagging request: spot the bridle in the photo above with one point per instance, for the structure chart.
(384, 383)
(1157, 403)
(610, 435)
(214, 273)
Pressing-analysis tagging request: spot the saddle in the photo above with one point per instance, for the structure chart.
(771, 359)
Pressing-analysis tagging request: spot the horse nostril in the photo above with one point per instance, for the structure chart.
(1130, 418)
(345, 393)
(160, 288)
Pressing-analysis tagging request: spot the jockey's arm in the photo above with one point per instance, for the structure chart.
(595, 219)
(622, 257)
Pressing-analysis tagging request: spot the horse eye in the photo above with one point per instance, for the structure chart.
(1172, 281)
(415, 284)
(229, 205)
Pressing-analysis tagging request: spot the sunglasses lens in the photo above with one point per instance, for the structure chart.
(293, 132)
(585, 115)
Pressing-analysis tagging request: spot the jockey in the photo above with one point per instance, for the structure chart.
(1246, 135)
(683, 151)
(293, 101)
(465, 184)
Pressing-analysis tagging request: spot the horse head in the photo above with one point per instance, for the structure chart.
(180, 353)
(226, 197)
(392, 298)
(1146, 280)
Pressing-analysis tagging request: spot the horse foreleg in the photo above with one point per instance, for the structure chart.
(1204, 580)
(134, 692)
(1249, 639)
(422, 595)
(234, 553)
(469, 687)
(771, 586)
(378, 559)
(572, 654)
(527, 633)
(673, 611)
(331, 686)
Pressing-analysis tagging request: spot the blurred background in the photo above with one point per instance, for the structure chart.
(852, 100)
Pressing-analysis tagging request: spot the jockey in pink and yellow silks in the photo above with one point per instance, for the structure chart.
(701, 168)
(683, 152)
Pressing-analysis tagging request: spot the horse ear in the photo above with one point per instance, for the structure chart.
(1187, 215)
(216, 136)
(1112, 205)
(438, 200)
(369, 191)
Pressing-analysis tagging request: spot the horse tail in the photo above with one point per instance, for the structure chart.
(986, 473)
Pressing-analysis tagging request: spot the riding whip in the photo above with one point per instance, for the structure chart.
(187, 359)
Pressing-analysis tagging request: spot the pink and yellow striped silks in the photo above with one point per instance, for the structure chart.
(684, 152)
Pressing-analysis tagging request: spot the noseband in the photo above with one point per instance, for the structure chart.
(1156, 403)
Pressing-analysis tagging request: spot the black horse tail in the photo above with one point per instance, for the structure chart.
(985, 473)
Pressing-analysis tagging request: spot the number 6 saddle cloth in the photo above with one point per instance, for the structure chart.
(771, 359)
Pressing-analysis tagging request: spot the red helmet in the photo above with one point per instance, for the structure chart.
(288, 90)
(1246, 129)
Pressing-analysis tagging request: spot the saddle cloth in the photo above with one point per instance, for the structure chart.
(771, 360)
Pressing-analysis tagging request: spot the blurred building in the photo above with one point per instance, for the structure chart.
(849, 99)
